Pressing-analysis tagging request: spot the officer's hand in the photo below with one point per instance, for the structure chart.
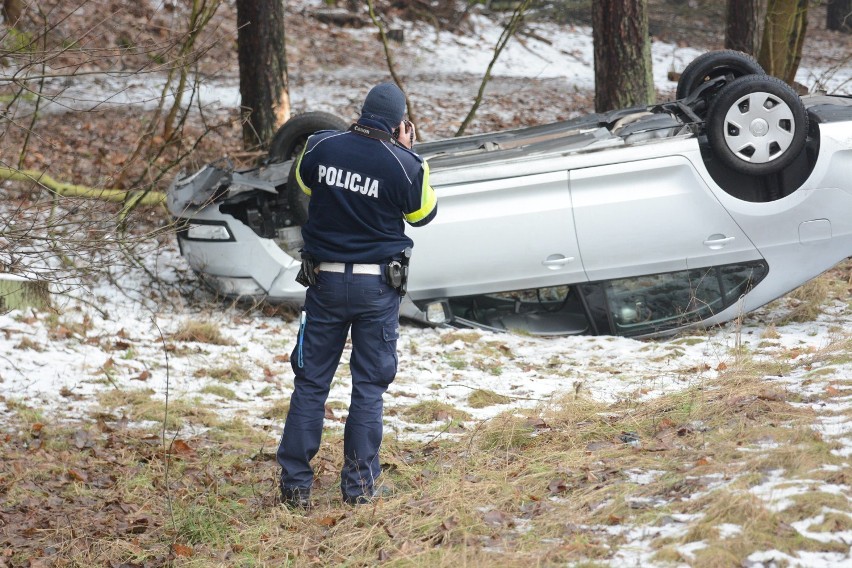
(407, 134)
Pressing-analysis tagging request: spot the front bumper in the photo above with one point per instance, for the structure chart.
(241, 264)
(245, 265)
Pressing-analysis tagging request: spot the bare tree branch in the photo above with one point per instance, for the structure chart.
(389, 58)
(508, 32)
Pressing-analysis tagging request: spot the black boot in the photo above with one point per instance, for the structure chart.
(296, 497)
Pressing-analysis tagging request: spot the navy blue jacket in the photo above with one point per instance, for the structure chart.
(361, 189)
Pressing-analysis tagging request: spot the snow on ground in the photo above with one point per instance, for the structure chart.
(115, 337)
(50, 363)
(566, 53)
(46, 362)
(120, 338)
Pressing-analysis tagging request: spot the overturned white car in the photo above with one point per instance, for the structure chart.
(635, 222)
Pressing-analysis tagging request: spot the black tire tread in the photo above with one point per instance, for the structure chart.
(288, 135)
(694, 73)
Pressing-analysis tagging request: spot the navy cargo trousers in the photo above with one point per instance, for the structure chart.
(337, 302)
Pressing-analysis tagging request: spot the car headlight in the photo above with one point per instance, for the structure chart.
(438, 312)
(208, 232)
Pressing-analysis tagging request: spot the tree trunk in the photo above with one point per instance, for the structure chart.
(741, 25)
(263, 70)
(17, 293)
(12, 12)
(622, 54)
(783, 38)
(839, 15)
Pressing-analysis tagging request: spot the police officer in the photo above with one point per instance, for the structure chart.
(362, 184)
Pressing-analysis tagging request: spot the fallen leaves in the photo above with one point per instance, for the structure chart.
(182, 550)
(78, 475)
(537, 423)
(181, 448)
(68, 491)
(557, 486)
(498, 518)
(449, 524)
(82, 439)
(328, 521)
(68, 393)
(60, 332)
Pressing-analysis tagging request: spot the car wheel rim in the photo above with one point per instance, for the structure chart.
(759, 127)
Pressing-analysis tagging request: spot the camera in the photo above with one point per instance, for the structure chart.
(409, 128)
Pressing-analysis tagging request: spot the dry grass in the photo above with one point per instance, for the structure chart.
(531, 487)
(232, 373)
(27, 343)
(139, 405)
(516, 491)
(481, 398)
(464, 336)
(434, 411)
(807, 302)
(277, 410)
(220, 391)
(200, 332)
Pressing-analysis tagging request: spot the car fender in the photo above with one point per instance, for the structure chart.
(807, 232)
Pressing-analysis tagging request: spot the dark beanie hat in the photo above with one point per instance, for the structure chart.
(384, 101)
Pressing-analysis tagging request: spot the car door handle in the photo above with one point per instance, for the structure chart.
(718, 241)
(556, 260)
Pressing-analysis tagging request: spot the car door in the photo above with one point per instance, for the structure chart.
(498, 235)
(652, 216)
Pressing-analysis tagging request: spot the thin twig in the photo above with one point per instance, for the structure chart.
(23, 153)
(433, 438)
(12, 364)
(389, 58)
(166, 449)
(508, 32)
(506, 395)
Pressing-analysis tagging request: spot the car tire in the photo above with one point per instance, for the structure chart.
(291, 137)
(287, 144)
(714, 64)
(757, 125)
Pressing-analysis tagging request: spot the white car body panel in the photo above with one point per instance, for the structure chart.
(650, 216)
(520, 235)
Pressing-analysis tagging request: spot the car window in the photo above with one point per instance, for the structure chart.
(656, 302)
(553, 310)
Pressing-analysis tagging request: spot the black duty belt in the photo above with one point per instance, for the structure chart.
(374, 133)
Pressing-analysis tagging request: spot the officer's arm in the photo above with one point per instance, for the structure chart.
(299, 179)
(422, 201)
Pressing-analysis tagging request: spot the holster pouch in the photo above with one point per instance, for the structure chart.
(307, 275)
(396, 272)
